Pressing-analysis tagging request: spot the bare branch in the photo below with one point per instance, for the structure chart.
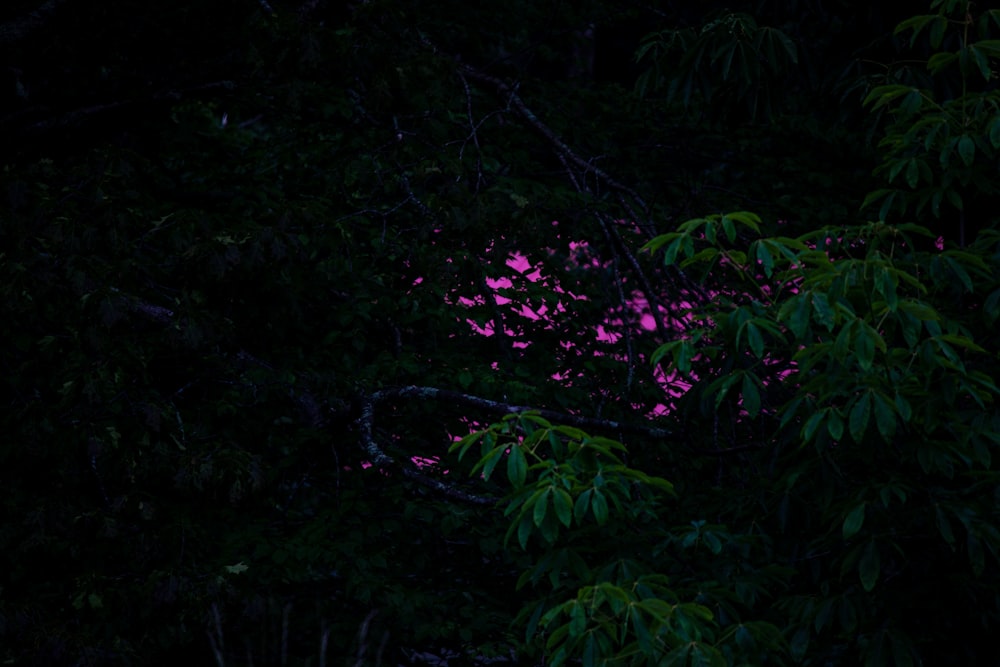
(378, 457)
(503, 408)
(558, 145)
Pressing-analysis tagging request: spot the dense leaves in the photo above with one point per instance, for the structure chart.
(382, 333)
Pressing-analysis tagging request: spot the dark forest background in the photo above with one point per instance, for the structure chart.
(246, 418)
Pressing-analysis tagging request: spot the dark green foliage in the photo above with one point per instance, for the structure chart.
(247, 251)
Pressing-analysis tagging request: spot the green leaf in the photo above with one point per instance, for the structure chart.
(869, 566)
(517, 466)
(822, 311)
(859, 416)
(722, 386)
(885, 417)
(729, 229)
(563, 503)
(577, 619)
(662, 351)
(854, 520)
(940, 61)
(886, 286)
(944, 526)
(550, 528)
(982, 60)
(490, 461)
(799, 645)
(960, 272)
(812, 425)
(581, 505)
(897, 166)
(764, 256)
(795, 314)
(967, 150)
(524, 530)
(641, 632)
(919, 310)
(916, 24)
(835, 425)
(755, 340)
(912, 173)
(599, 506)
(995, 132)
(864, 347)
(466, 442)
(751, 395)
(540, 506)
(903, 408)
(882, 95)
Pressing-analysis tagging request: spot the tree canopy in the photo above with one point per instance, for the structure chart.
(594, 333)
